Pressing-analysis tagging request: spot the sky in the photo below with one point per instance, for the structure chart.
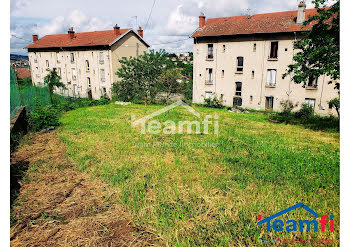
(168, 25)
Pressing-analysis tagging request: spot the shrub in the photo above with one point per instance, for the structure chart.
(306, 111)
(336, 104)
(287, 107)
(42, 117)
(213, 102)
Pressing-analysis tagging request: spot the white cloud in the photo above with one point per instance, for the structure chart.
(76, 19)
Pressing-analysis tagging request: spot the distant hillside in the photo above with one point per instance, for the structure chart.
(18, 57)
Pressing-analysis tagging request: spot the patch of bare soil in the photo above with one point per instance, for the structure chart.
(57, 205)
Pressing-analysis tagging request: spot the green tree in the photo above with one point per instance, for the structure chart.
(171, 83)
(335, 103)
(52, 79)
(140, 76)
(318, 50)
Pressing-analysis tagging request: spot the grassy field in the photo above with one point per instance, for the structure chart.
(208, 189)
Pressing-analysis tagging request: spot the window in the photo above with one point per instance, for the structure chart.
(102, 73)
(251, 98)
(59, 72)
(58, 57)
(208, 94)
(237, 101)
(269, 103)
(273, 49)
(47, 64)
(312, 82)
(101, 57)
(37, 72)
(239, 64)
(210, 51)
(88, 82)
(72, 57)
(222, 73)
(35, 57)
(104, 91)
(87, 65)
(253, 73)
(271, 77)
(238, 89)
(223, 48)
(209, 76)
(310, 102)
(254, 47)
(74, 74)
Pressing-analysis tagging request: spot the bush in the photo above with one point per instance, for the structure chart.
(287, 107)
(42, 117)
(213, 102)
(306, 111)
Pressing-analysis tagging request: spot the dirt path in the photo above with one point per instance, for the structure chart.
(60, 206)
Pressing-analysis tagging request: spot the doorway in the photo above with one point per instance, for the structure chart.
(269, 103)
(90, 94)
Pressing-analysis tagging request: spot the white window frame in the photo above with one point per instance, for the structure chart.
(271, 77)
(239, 66)
(208, 94)
(209, 76)
(101, 57)
(103, 75)
(311, 102)
(74, 74)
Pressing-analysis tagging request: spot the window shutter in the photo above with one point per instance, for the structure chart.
(273, 77)
(269, 77)
(207, 75)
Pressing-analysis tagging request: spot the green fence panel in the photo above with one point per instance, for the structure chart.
(15, 101)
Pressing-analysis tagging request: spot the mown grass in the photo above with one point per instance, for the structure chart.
(207, 190)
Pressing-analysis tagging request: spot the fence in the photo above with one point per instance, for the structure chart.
(26, 95)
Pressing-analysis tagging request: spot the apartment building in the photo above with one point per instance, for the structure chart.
(241, 59)
(87, 62)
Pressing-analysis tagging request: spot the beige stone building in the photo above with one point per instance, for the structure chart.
(87, 61)
(241, 59)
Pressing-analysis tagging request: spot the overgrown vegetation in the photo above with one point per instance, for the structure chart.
(213, 102)
(207, 190)
(144, 77)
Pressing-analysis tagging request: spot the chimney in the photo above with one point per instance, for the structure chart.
(140, 32)
(116, 30)
(201, 20)
(35, 37)
(71, 33)
(301, 12)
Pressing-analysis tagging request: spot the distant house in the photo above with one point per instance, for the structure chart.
(87, 62)
(241, 59)
(23, 73)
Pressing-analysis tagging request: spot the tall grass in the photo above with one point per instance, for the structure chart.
(208, 195)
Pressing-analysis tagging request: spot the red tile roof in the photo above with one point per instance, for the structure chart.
(23, 73)
(80, 39)
(250, 24)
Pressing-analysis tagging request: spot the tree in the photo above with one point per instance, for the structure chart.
(319, 48)
(336, 104)
(52, 79)
(140, 76)
(171, 83)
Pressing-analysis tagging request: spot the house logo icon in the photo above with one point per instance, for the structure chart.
(292, 225)
(181, 127)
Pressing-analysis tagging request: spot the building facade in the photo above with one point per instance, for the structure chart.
(87, 62)
(241, 59)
